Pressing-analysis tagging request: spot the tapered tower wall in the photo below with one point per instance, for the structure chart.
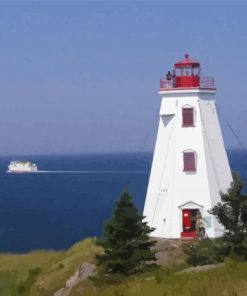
(218, 168)
(171, 189)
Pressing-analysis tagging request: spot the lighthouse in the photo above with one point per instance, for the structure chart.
(190, 165)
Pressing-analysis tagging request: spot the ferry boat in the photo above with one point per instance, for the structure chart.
(22, 167)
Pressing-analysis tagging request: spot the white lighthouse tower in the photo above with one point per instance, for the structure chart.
(190, 165)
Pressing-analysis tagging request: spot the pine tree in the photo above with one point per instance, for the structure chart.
(127, 246)
(232, 214)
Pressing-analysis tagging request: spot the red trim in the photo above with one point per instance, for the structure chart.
(188, 88)
(187, 64)
(187, 61)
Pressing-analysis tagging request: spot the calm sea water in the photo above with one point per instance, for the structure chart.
(54, 210)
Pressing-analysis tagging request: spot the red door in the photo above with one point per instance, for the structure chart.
(186, 220)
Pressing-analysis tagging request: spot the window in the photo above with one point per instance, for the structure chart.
(186, 71)
(189, 161)
(188, 116)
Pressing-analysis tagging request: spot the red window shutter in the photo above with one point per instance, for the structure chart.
(189, 162)
(188, 117)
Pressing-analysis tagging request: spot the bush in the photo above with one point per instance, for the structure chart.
(232, 214)
(24, 287)
(203, 252)
(34, 271)
(60, 266)
(233, 248)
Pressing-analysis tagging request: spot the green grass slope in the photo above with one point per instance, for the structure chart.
(42, 272)
(227, 280)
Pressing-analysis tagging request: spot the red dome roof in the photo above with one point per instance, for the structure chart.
(187, 61)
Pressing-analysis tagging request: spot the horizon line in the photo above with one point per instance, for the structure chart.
(95, 153)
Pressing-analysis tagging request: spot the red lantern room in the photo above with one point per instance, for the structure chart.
(187, 72)
(186, 75)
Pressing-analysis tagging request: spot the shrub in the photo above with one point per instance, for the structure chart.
(232, 214)
(203, 252)
(60, 266)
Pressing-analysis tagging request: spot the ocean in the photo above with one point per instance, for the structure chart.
(55, 210)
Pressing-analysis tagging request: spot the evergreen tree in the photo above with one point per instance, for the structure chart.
(232, 214)
(127, 246)
(203, 252)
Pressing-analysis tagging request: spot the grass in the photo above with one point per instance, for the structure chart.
(227, 280)
(42, 272)
(15, 270)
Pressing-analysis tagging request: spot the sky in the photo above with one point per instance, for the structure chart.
(83, 76)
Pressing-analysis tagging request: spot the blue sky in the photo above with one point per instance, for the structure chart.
(83, 76)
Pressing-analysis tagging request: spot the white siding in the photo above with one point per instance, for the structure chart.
(169, 186)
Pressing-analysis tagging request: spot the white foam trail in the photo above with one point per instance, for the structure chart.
(93, 172)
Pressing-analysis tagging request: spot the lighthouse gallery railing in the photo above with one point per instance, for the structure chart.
(205, 82)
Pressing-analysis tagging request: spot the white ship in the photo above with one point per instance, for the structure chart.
(22, 167)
